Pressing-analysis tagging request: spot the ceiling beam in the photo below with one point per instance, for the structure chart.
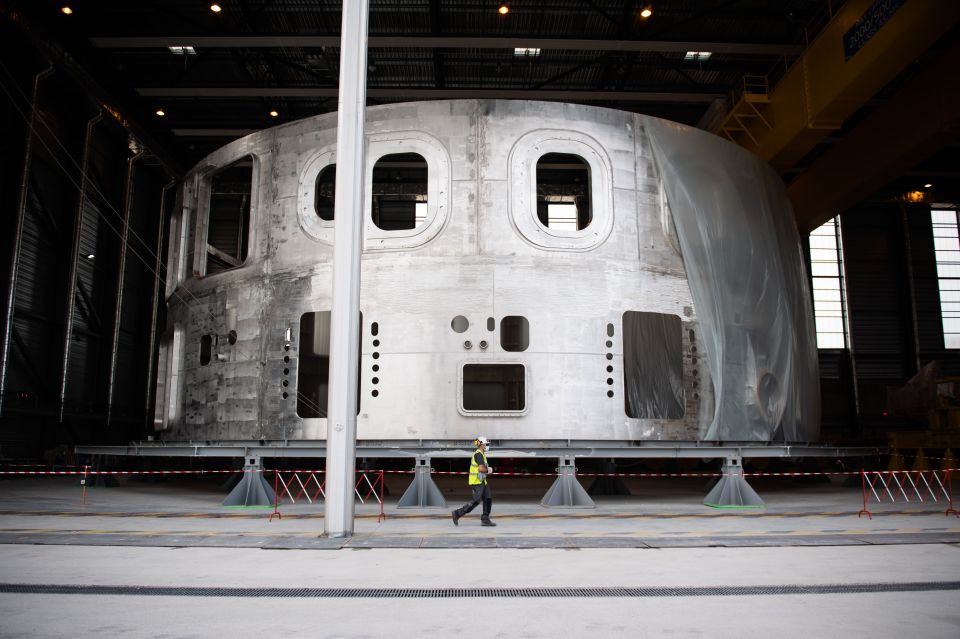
(447, 42)
(918, 121)
(427, 94)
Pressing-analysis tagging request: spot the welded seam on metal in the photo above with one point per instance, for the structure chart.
(509, 593)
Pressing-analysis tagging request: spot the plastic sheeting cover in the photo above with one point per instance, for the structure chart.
(745, 267)
(653, 365)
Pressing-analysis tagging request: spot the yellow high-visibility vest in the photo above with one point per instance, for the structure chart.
(475, 479)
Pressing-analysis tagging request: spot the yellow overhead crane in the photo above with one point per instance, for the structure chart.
(865, 45)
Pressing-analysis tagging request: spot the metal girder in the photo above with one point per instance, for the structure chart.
(428, 94)
(920, 119)
(448, 42)
(412, 450)
(830, 82)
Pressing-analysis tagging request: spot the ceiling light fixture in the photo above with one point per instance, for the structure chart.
(504, 9)
(90, 256)
(697, 55)
(274, 113)
(182, 50)
(646, 13)
(216, 8)
(927, 185)
(526, 51)
(66, 10)
(161, 112)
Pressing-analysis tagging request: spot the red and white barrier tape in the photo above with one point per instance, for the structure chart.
(437, 472)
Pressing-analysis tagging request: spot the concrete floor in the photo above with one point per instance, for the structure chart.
(141, 535)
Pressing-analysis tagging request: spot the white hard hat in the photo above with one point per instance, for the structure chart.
(482, 440)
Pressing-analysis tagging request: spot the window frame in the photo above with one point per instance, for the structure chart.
(944, 266)
(836, 264)
(494, 413)
(524, 156)
(204, 194)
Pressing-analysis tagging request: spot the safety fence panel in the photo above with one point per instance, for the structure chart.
(311, 485)
(893, 486)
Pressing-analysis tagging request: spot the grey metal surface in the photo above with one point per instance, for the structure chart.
(477, 593)
(504, 449)
(155, 302)
(480, 253)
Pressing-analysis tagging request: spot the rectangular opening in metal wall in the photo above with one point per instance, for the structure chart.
(653, 365)
(399, 195)
(563, 192)
(313, 365)
(228, 222)
(494, 387)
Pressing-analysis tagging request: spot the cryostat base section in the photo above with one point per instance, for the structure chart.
(529, 270)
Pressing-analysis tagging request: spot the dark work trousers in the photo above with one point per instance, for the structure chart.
(481, 494)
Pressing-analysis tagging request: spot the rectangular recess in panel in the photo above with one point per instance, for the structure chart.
(494, 388)
(653, 365)
(313, 365)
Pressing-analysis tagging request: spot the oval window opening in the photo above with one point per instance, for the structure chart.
(323, 201)
(563, 192)
(399, 194)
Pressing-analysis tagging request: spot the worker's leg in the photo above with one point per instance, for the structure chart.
(476, 499)
(487, 505)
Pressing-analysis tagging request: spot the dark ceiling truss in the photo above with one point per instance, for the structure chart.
(448, 42)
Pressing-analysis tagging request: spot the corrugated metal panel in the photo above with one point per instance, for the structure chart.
(878, 297)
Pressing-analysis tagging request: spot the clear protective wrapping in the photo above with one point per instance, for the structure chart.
(653, 365)
(744, 263)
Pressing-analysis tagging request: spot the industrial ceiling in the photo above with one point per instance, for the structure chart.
(193, 78)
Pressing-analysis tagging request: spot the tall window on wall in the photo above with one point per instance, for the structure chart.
(399, 195)
(313, 364)
(563, 192)
(324, 200)
(228, 222)
(829, 293)
(947, 249)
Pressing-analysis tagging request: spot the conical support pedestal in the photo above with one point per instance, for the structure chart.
(733, 491)
(423, 492)
(608, 485)
(566, 491)
(253, 490)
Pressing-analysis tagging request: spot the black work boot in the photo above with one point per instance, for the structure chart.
(456, 517)
(485, 521)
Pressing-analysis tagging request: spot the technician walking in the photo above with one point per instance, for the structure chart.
(479, 469)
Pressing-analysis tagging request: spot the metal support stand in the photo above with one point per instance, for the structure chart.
(733, 491)
(253, 490)
(609, 483)
(566, 491)
(423, 492)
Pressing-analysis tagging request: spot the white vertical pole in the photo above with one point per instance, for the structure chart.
(348, 245)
